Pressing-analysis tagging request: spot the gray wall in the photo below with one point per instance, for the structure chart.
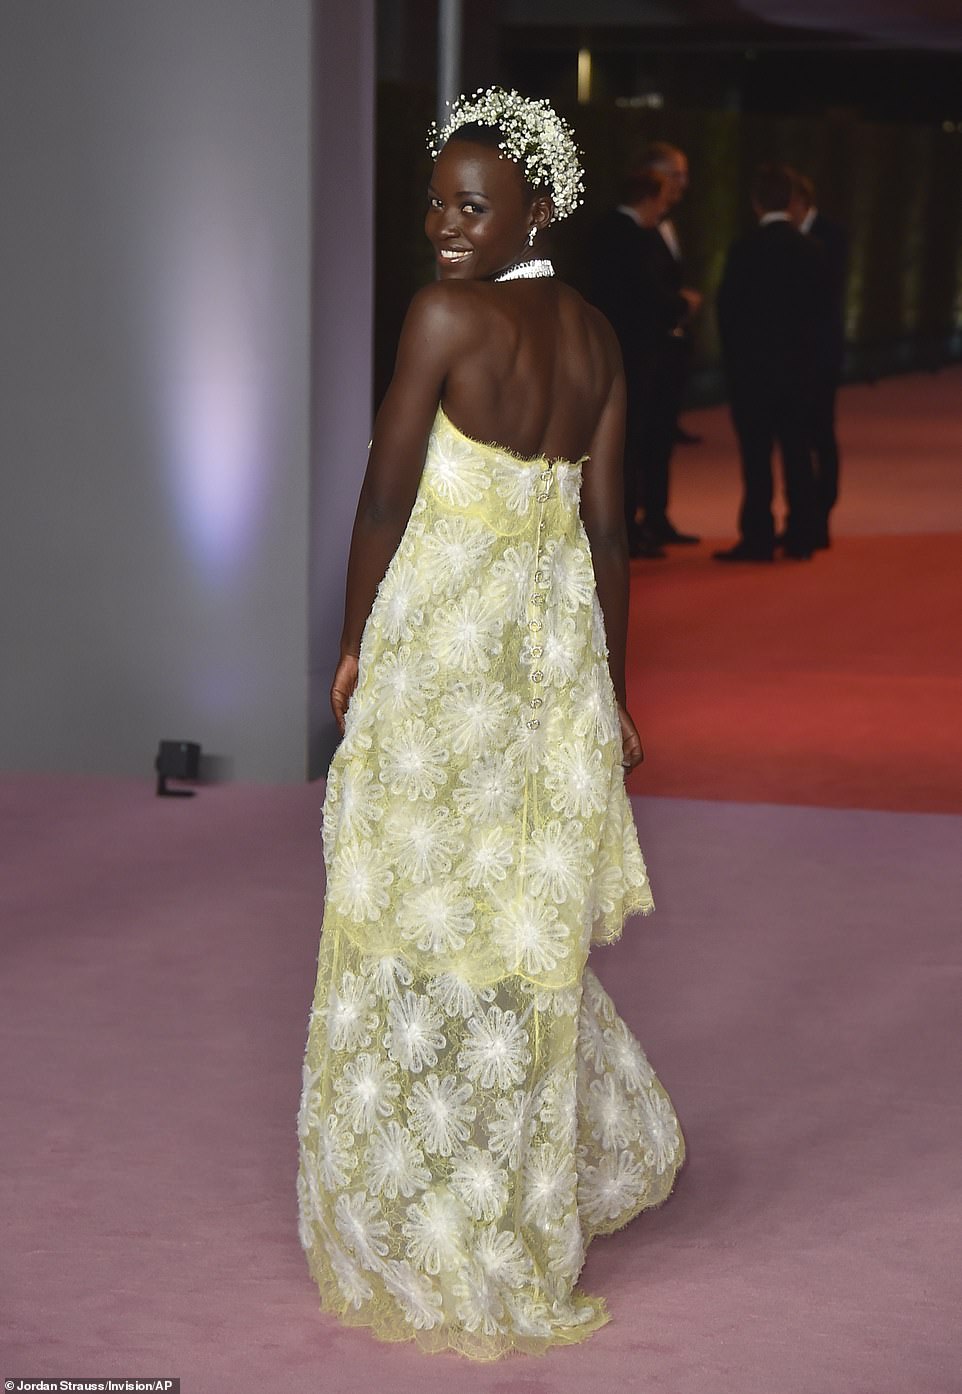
(155, 379)
(343, 328)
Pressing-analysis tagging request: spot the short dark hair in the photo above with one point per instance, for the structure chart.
(491, 136)
(772, 187)
(644, 184)
(657, 153)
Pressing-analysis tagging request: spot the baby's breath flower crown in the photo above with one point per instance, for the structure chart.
(535, 137)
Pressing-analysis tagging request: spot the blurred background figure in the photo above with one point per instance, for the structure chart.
(633, 284)
(636, 281)
(830, 348)
(672, 164)
(771, 307)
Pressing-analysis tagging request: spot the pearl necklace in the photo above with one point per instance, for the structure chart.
(526, 270)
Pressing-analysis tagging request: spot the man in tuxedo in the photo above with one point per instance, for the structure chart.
(770, 307)
(636, 284)
(672, 164)
(830, 350)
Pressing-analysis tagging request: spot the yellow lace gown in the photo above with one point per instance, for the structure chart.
(474, 1110)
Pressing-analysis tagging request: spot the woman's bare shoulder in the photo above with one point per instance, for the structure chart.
(594, 326)
(438, 302)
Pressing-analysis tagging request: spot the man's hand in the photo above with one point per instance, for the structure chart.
(631, 751)
(694, 298)
(342, 688)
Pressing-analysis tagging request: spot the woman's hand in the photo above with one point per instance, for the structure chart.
(342, 688)
(631, 751)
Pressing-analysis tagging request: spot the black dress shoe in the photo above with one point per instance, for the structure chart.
(668, 535)
(641, 543)
(740, 552)
(798, 551)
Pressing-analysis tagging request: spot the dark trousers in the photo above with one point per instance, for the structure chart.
(824, 449)
(764, 417)
(654, 387)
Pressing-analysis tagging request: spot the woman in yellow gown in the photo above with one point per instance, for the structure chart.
(474, 1110)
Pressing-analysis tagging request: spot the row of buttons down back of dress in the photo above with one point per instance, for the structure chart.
(540, 596)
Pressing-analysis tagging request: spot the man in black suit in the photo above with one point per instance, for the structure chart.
(830, 351)
(636, 284)
(770, 305)
(672, 164)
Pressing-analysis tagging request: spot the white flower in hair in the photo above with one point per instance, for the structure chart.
(533, 135)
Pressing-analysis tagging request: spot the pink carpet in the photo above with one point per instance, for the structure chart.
(798, 992)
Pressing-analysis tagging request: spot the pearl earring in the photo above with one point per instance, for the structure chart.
(531, 236)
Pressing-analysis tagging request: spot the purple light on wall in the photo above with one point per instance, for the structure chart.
(216, 378)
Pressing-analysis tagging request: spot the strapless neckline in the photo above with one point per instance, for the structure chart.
(500, 449)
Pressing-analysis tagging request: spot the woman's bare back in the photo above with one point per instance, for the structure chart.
(537, 369)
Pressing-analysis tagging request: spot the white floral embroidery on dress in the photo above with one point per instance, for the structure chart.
(473, 1110)
(465, 634)
(452, 470)
(452, 552)
(440, 1112)
(414, 1036)
(475, 716)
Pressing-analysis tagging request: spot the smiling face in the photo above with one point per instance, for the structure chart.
(480, 211)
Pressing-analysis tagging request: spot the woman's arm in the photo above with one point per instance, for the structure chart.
(603, 515)
(429, 340)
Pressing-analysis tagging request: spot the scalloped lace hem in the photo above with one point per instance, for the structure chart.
(488, 1348)
(457, 1341)
(641, 904)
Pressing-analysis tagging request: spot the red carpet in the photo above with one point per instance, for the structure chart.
(836, 681)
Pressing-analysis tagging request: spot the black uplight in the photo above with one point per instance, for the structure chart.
(177, 760)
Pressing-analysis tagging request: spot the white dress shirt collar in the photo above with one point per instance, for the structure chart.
(631, 213)
(809, 220)
(670, 237)
(776, 217)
